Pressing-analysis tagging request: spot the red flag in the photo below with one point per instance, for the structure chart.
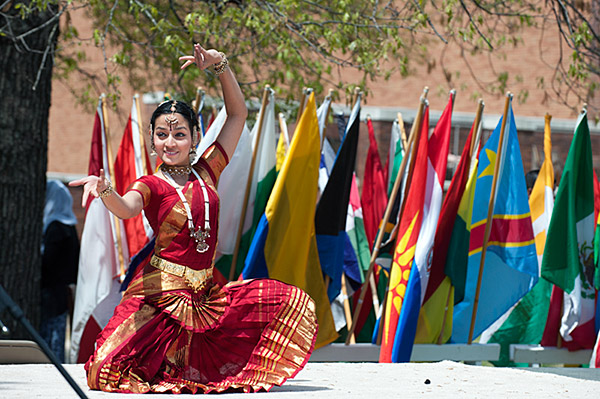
(447, 217)
(408, 233)
(131, 163)
(374, 192)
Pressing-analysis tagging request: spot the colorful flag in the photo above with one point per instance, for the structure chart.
(408, 232)
(437, 159)
(510, 269)
(232, 181)
(568, 260)
(97, 291)
(374, 195)
(263, 178)
(284, 246)
(524, 323)
(435, 317)
(332, 209)
(132, 162)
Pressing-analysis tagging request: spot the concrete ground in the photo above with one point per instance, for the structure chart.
(350, 380)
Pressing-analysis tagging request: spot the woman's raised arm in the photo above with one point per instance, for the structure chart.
(232, 95)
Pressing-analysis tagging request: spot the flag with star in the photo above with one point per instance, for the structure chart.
(511, 266)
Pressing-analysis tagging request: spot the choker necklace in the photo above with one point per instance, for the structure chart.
(176, 170)
(199, 234)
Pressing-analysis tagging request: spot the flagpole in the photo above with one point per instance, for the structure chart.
(111, 175)
(402, 132)
(136, 99)
(265, 101)
(283, 129)
(347, 311)
(326, 116)
(488, 223)
(199, 95)
(302, 101)
(380, 232)
(475, 138)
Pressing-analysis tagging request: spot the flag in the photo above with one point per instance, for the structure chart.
(408, 232)
(568, 257)
(283, 143)
(395, 155)
(261, 184)
(132, 162)
(435, 317)
(510, 269)
(374, 193)
(284, 246)
(437, 159)
(524, 324)
(97, 291)
(332, 209)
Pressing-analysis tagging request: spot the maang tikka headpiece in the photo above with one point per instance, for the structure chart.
(172, 119)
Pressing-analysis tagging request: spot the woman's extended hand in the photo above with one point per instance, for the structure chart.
(91, 185)
(202, 58)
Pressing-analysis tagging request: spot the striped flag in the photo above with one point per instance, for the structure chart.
(437, 159)
(510, 268)
(100, 260)
(435, 318)
(568, 260)
(408, 232)
(263, 179)
(525, 322)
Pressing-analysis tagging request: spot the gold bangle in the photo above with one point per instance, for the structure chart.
(106, 192)
(221, 66)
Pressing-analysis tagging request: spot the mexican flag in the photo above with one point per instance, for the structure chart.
(568, 260)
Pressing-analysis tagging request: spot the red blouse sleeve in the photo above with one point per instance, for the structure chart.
(214, 161)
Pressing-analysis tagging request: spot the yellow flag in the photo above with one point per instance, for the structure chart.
(291, 248)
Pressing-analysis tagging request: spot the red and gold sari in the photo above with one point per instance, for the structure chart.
(166, 336)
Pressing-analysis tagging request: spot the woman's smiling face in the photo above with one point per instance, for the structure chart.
(172, 139)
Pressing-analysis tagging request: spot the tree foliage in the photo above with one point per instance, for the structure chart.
(291, 44)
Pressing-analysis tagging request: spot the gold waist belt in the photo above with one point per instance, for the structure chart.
(197, 279)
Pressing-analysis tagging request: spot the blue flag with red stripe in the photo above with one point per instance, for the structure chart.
(511, 267)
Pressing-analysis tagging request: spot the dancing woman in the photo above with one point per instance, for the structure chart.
(175, 330)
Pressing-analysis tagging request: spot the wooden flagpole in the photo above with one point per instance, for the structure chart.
(198, 99)
(265, 101)
(305, 93)
(488, 223)
(111, 177)
(402, 133)
(380, 232)
(136, 99)
(347, 311)
(477, 132)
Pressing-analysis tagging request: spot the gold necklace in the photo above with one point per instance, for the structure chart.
(176, 170)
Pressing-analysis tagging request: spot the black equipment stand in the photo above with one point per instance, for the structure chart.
(16, 312)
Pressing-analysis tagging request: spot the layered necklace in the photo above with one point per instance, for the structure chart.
(199, 235)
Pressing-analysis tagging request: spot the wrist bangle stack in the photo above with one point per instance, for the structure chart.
(221, 66)
(106, 192)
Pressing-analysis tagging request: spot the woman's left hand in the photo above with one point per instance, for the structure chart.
(202, 58)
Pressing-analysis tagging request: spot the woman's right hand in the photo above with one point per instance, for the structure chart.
(91, 185)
